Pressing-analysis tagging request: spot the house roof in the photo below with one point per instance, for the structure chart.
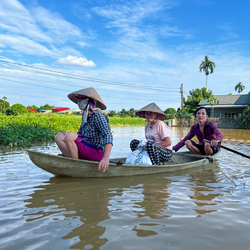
(69, 111)
(61, 108)
(235, 100)
(225, 106)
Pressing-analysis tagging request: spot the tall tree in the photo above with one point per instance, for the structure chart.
(194, 97)
(3, 104)
(46, 106)
(208, 67)
(239, 87)
(33, 107)
(170, 112)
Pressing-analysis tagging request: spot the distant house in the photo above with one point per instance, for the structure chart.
(70, 111)
(44, 111)
(33, 110)
(228, 106)
(58, 109)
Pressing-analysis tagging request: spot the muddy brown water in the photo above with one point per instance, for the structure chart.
(198, 208)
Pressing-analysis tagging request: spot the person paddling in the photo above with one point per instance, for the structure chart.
(94, 139)
(204, 129)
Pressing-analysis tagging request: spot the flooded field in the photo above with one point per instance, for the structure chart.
(195, 209)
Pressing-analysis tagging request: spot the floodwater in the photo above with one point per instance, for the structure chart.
(195, 209)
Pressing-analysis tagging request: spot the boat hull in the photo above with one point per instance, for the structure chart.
(63, 166)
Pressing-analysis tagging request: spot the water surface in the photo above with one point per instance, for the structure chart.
(198, 208)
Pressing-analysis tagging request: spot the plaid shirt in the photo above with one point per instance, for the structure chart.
(97, 130)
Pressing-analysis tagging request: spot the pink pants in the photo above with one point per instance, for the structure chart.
(88, 151)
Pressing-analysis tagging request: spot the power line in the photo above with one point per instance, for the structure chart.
(11, 93)
(32, 84)
(92, 79)
(19, 77)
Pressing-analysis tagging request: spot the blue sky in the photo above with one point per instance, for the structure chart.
(132, 52)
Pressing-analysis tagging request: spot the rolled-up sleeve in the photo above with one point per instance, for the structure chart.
(189, 136)
(104, 128)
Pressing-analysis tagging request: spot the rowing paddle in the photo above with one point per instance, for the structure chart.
(116, 162)
(229, 149)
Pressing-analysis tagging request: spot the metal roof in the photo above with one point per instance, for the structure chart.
(229, 100)
(226, 106)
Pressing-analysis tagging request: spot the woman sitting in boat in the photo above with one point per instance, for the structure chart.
(158, 145)
(204, 129)
(94, 139)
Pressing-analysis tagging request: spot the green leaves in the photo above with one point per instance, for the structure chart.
(195, 96)
(27, 130)
(239, 87)
(16, 109)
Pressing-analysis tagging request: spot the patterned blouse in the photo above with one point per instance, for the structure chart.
(97, 130)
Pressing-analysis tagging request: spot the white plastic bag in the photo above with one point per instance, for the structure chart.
(139, 156)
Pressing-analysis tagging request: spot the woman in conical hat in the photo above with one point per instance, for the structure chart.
(159, 145)
(94, 139)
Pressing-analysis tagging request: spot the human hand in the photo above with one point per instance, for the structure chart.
(103, 164)
(214, 143)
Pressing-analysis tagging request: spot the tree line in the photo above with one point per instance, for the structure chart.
(18, 109)
(190, 105)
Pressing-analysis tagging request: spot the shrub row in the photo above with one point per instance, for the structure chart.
(26, 130)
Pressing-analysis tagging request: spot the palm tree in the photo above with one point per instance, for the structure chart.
(239, 87)
(208, 67)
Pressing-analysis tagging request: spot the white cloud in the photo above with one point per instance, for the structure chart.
(56, 26)
(25, 45)
(37, 23)
(133, 36)
(76, 61)
(82, 44)
(81, 12)
(37, 31)
(15, 19)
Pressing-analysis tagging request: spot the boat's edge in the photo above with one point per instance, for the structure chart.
(47, 161)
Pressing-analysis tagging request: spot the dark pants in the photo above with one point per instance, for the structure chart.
(156, 153)
(201, 148)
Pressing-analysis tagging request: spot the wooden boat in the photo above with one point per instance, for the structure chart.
(63, 166)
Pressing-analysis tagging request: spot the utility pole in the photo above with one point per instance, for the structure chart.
(182, 101)
(182, 117)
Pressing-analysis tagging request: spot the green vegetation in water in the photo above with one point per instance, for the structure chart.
(26, 130)
(29, 129)
(117, 121)
(243, 120)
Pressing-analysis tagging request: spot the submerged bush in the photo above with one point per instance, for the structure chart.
(243, 120)
(26, 130)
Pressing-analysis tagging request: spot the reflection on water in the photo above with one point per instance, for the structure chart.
(191, 209)
(88, 209)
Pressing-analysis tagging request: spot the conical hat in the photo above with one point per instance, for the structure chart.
(152, 107)
(87, 93)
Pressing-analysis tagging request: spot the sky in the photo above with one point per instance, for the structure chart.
(132, 52)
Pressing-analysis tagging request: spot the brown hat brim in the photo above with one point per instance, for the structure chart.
(152, 107)
(87, 93)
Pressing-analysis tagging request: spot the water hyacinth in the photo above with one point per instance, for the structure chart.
(27, 130)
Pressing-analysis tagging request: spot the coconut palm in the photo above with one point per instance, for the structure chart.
(208, 67)
(239, 87)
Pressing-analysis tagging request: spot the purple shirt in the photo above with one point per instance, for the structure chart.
(211, 132)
